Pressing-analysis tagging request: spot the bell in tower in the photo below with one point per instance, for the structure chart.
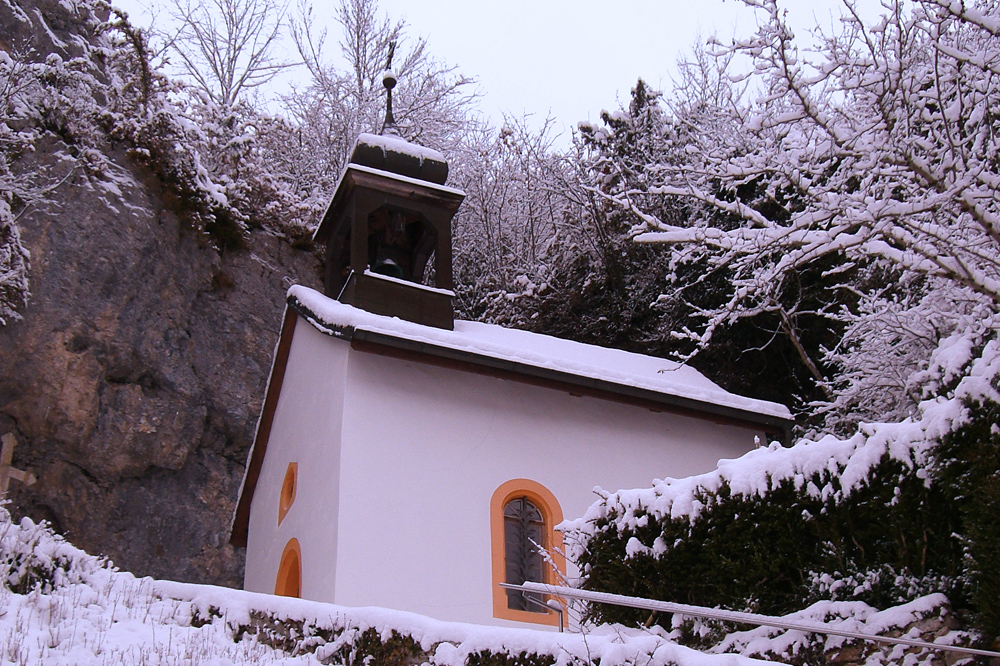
(399, 244)
(387, 231)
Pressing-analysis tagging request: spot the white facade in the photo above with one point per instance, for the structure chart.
(398, 460)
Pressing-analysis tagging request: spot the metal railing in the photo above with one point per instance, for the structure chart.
(733, 616)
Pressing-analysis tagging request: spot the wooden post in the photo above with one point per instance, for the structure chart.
(7, 472)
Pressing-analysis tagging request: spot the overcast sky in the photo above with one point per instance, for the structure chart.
(568, 58)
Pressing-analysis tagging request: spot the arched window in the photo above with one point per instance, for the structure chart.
(523, 543)
(522, 516)
(289, 581)
(288, 487)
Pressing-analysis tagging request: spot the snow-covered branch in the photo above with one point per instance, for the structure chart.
(227, 46)
(876, 150)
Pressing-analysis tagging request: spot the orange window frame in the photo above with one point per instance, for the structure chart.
(552, 515)
(288, 489)
(288, 583)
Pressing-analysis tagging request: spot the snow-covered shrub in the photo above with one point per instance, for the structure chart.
(896, 512)
(65, 111)
(35, 98)
(488, 658)
(146, 113)
(213, 157)
(33, 557)
(968, 463)
(14, 260)
(169, 146)
(59, 605)
(928, 617)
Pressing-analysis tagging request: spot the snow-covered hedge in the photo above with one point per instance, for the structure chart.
(897, 511)
(33, 558)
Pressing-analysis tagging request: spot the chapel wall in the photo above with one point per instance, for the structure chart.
(306, 430)
(425, 447)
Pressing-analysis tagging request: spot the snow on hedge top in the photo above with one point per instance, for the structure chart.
(455, 643)
(850, 460)
(540, 351)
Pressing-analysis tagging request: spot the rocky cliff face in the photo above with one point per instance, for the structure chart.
(134, 381)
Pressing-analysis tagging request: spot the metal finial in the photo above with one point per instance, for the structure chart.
(389, 81)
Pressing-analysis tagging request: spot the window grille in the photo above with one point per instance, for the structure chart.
(524, 536)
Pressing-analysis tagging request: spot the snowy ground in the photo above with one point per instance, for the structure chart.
(59, 605)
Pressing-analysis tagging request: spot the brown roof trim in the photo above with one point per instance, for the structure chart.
(415, 191)
(570, 382)
(383, 345)
(241, 517)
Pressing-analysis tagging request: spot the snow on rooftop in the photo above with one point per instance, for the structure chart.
(396, 144)
(541, 351)
(397, 176)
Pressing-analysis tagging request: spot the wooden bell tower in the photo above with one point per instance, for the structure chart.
(387, 231)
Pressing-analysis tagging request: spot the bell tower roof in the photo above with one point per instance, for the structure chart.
(387, 230)
(396, 155)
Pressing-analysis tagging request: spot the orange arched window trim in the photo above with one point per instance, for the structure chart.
(289, 580)
(552, 515)
(288, 488)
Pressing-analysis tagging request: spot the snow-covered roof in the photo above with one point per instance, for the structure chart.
(399, 145)
(514, 354)
(634, 374)
(399, 177)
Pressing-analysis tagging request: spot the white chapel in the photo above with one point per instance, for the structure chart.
(408, 460)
